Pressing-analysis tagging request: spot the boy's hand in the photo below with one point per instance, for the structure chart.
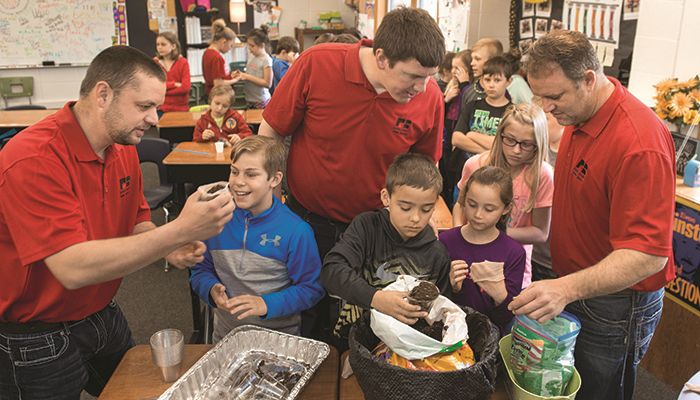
(207, 134)
(248, 305)
(188, 255)
(394, 303)
(459, 271)
(233, 139)
(218, 294)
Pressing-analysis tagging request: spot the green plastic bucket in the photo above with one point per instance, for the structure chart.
(518, 393)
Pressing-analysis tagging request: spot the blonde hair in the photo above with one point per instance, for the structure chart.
(494, 46)
(273, 150)
(219, 31)
(219, 90)
(531, 115)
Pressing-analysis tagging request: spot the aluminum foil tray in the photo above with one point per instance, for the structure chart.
(247, 338)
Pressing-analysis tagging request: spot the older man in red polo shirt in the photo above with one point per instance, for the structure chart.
(73, 222)
(349, 110)
(612, 214)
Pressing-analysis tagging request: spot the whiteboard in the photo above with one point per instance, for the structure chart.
(62, 31)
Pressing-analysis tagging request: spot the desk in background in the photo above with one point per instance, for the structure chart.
(178, 126)
(136, 377)
(22, 118)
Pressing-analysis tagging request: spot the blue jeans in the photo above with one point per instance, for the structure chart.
(615, 334)
(59, 364)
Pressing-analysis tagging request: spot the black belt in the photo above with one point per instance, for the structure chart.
(311, 217)
(32, 327)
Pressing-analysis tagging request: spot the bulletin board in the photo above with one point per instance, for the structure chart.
(58, 32)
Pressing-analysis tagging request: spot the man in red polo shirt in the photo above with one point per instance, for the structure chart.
(349, 110)
(73, 222)
(612, 214)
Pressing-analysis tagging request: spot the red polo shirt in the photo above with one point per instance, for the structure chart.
(614, 188)
(344, 134)
(56, 192)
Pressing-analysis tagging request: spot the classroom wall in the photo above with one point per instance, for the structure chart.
(295, 10)
(665, 45)
(489, 18)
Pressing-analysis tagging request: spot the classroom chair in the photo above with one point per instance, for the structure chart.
(16, 86)
(196, 93)
(154, 150)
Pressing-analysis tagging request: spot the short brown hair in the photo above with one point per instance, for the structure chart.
(569, 50)
(415, 170)
(288, 44)
(407, 33)
(273, 150)
(498, 66)
(170, 37)
(494, 46)
(225, 90)
(344, 38)
(118, 65)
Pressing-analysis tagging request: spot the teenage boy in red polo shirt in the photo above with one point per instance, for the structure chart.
(73, 222)
(349, 110)
(612, 214)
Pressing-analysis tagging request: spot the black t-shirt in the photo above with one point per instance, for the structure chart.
(480, 116)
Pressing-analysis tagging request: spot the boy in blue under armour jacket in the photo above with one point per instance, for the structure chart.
(264, 267)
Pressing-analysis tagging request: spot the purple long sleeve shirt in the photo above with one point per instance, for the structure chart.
(503, 249)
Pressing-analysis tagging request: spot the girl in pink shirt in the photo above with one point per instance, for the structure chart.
(520, 146)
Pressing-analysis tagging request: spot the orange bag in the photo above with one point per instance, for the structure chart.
(461, 358)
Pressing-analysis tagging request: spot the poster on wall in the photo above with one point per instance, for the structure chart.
(267, 13)
(631, 10)
(526, 28)
(120, 33)
(544, 9)
(528, 9)
(599, 20)
(453, 21)
(686, 257)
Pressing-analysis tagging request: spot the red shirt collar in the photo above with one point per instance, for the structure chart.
(76, 139)
(353, 67)
(594, 126)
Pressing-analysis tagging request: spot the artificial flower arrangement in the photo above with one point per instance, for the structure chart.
(678, 102)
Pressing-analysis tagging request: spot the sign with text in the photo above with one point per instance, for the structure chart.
(686, 256)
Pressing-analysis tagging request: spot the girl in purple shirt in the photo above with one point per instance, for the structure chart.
(487, 266)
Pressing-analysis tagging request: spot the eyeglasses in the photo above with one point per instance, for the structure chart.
(524, 145)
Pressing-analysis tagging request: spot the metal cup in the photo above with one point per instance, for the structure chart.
(167, 349)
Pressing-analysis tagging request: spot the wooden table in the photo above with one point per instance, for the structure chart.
(137, 378)
(22, 118)
(196, 163)
(351, 390)
(442, 215)
(178, 126)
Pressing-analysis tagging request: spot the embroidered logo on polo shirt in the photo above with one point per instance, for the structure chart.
(402, 126)
(264, 240)
(580, 169)
(124, 186)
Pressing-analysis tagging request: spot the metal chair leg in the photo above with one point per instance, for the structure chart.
(166, 268)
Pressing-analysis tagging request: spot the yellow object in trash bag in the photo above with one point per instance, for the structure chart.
(461, 358)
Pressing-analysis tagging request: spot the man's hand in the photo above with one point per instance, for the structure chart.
(394, 303)
(248, 305)
(542, 300)
(207, 134)
(218, 294)
(459, 271)
(201, 220)
(188, 255)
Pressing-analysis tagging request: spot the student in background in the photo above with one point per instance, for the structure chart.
(444, 74)
(287, 52)
(479, 119)
(487, 265)
(214, 68)
(263, 269)
(520, 148)
(258, 75)
(220, 122)
(378, 246)
(483, 50)
(344, 38)
(177, 69)
(324, 38)
(462, 76)
(518, 89)
(541, 254)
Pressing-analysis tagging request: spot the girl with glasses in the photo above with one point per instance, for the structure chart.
(520, 147)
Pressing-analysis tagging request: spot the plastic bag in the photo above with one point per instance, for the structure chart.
(461, 358)
(411, 344)
(542, 355)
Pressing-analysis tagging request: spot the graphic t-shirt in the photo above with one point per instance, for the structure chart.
(480, 116)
